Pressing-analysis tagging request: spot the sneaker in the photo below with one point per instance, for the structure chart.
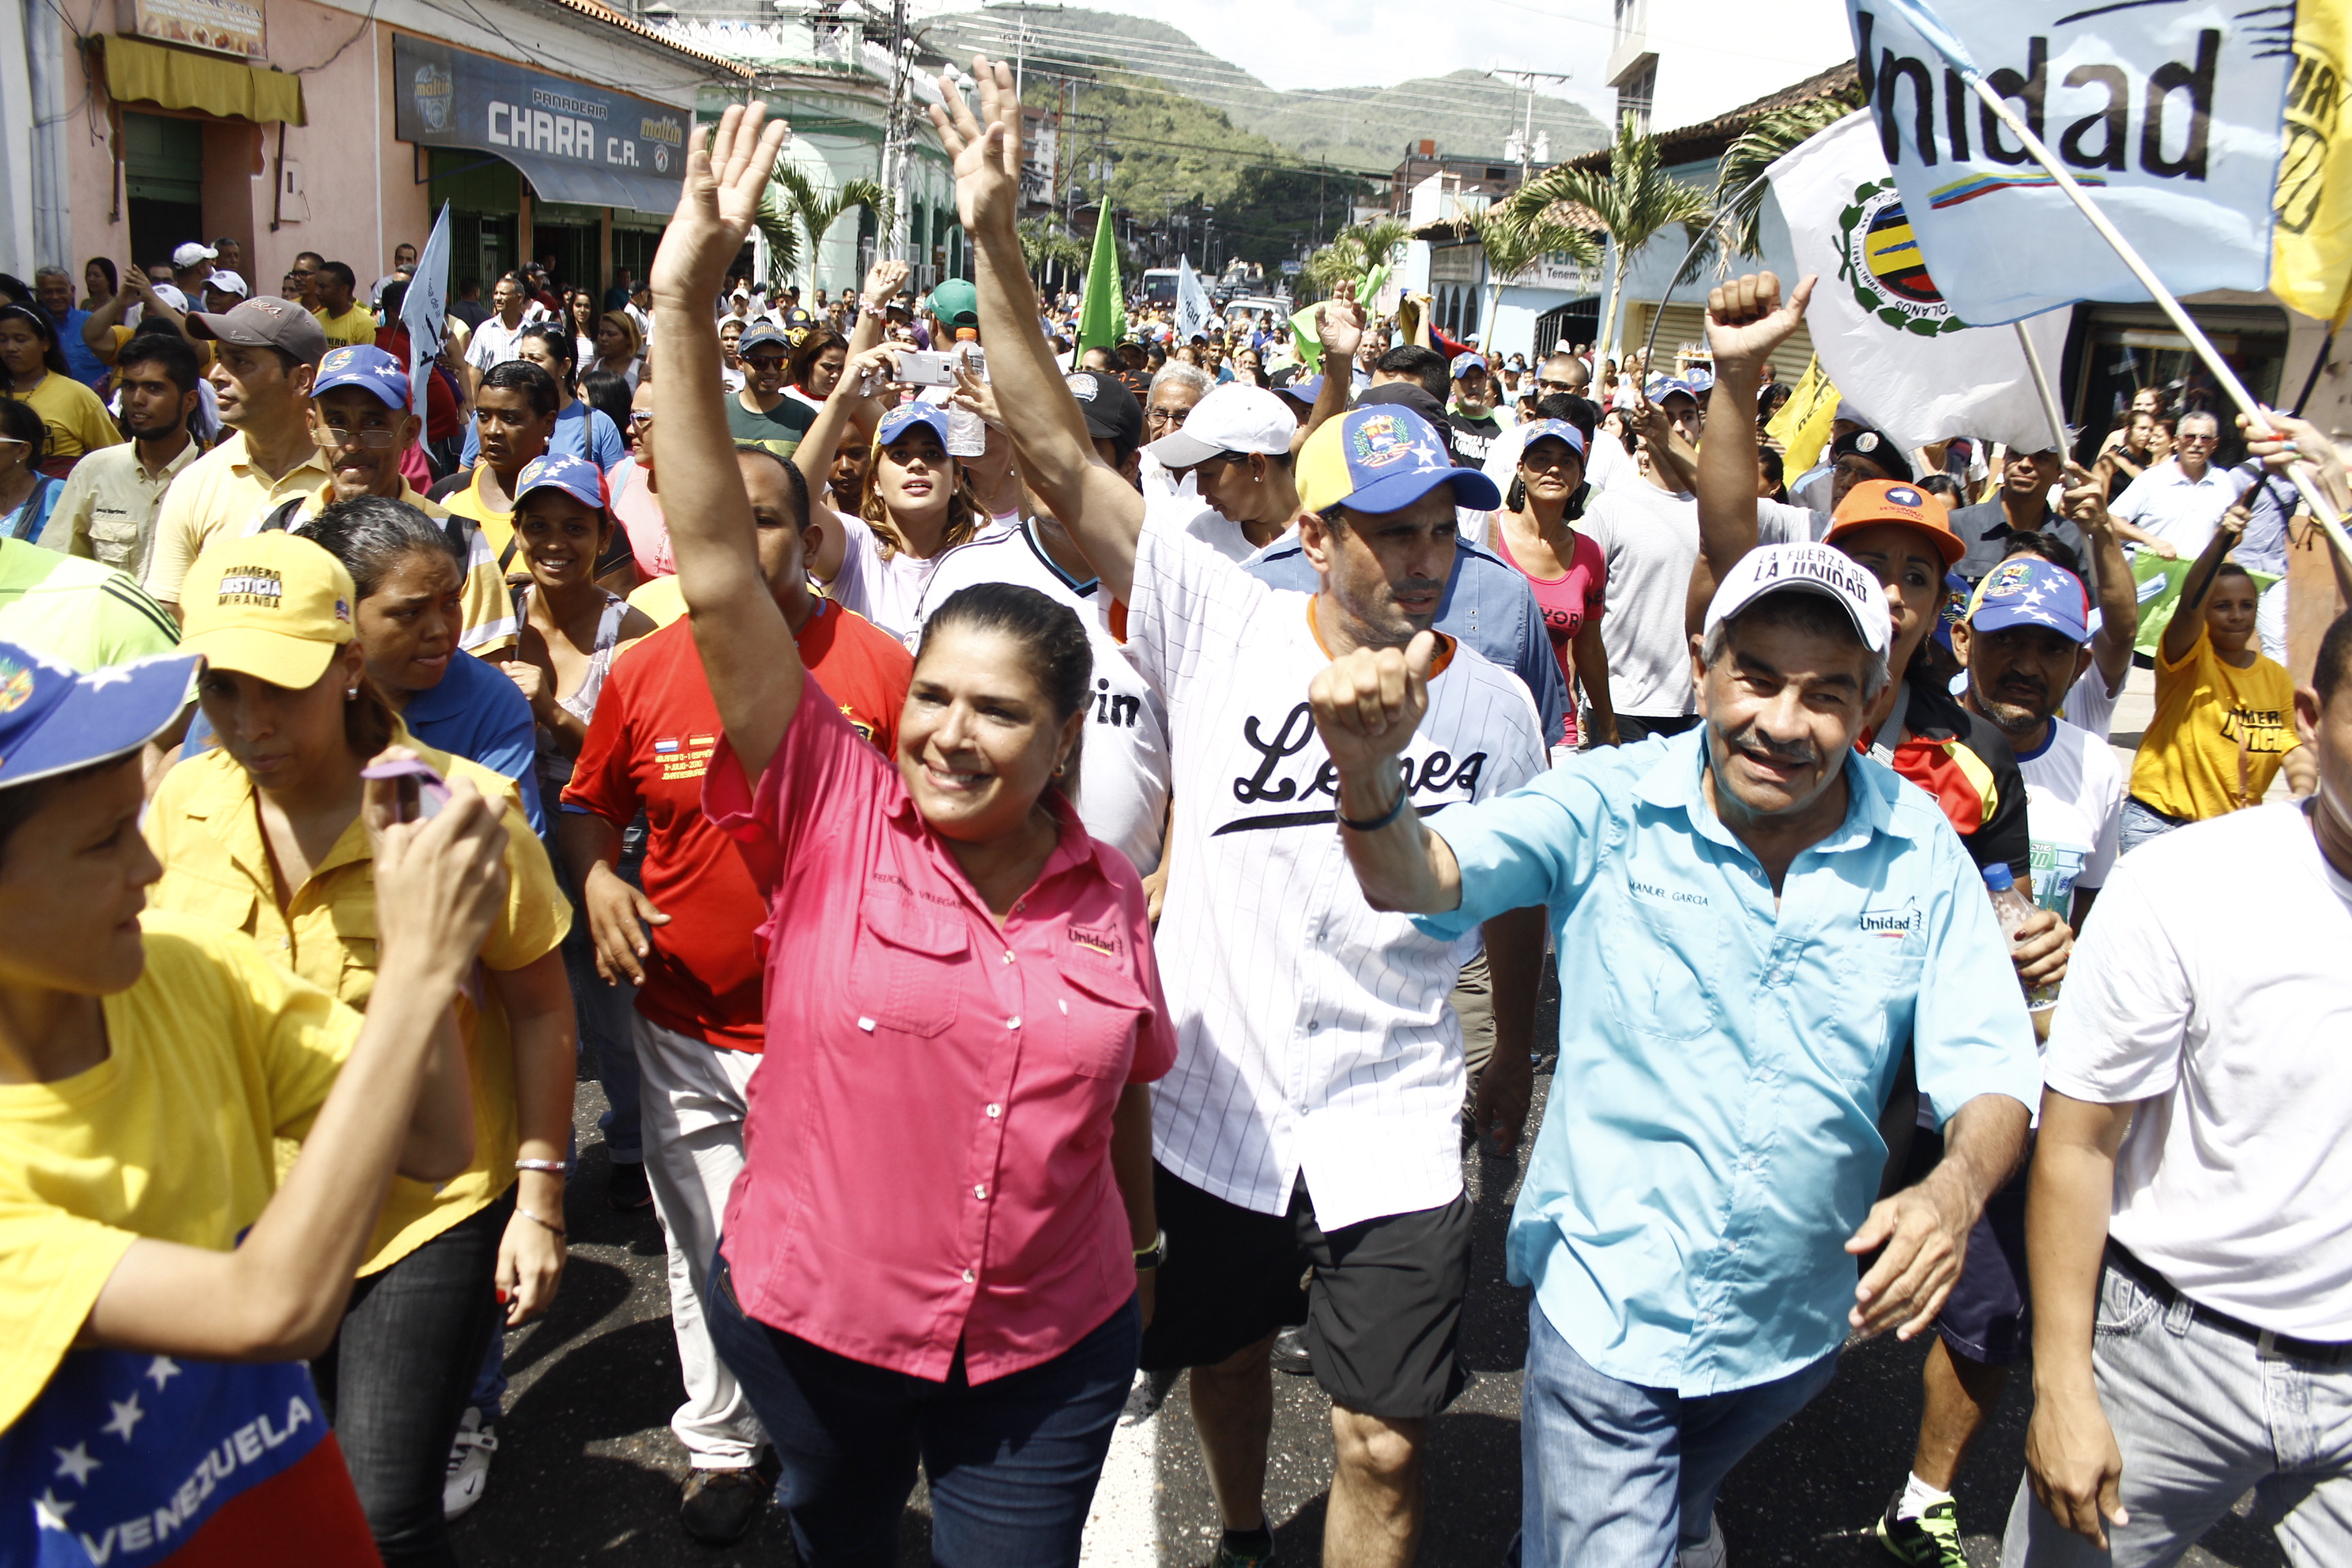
(1708, 1554)
(625, 1190)
(719, 1505)
(1231, 1556)
(470, 1464)
(1290, 1354)
(1931, 1541)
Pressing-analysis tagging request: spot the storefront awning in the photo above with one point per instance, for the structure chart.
(137, 72)
(558, 180)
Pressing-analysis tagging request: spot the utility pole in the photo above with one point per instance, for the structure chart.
(1521, 146)
(898, 136)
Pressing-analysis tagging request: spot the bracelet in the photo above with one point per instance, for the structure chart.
(1153, 1256)
(554, 1167)
(541, 1219)
(1391, 814)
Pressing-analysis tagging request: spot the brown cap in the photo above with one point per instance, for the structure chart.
(1874, 501)
(266, 323)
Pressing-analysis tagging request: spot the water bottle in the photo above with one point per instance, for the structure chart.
(2012, 909)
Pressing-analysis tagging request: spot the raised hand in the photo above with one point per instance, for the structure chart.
(1368, 703)
(1746, 318)
(885, 280)
(2084, 499)
(727, 168)
(987, 149)
(1340, 325)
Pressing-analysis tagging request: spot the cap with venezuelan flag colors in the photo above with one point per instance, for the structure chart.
(1384, 459)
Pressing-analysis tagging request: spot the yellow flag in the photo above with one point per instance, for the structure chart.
(1802, 425)
(2311, 233)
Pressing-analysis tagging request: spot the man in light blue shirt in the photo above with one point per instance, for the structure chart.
(1752, 922)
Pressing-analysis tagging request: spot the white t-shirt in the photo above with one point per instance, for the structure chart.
(2073, 804)
(887, 591)
(2228, 1017)
(2089, 705)
(1122, 793)
(1649, 538)
(1313, 1032)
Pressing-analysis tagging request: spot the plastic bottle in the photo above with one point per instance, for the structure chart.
(2012, 909)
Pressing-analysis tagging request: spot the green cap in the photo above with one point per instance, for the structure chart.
(957, 303)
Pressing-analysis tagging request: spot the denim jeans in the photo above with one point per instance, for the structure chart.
(1619, 1474)
(1011, 1463)
(608, 1038)
(2202, 1417)
(2139, 823)
(395, 1380)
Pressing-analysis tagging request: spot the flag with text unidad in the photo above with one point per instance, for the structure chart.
(2168, 113)
(425, 309)
(1881, 330)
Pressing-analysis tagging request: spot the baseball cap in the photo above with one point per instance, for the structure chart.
(1662, 388)
(1554, 429)
(1868, 443)
(957, 303)
(362, 364)
(189, 252)
(1771, 569)
(1889, 500)
(906, 417)
(266, 323)
(1305, 389)
(1230, 419)
(1112, 413)
(2027, 590)
(575, 477)
(53, 720)
(273, 606)
(762, 336)
(1465, 364)
(1384, 458)
(221, 280)
(170, 294)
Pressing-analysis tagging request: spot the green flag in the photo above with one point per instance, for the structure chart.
(1102, 319)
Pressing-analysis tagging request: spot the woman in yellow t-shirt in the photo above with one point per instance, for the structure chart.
(2224, 722)
(263, 835)
(37, 378)
(159, 1285)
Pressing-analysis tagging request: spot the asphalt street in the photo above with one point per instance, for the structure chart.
(588, 1472)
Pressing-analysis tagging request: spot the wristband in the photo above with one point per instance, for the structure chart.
(543, 1220)
(1391, 814)
(554, 1167)
(1153, 1256)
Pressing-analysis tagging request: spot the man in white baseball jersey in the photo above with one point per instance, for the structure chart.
(1312, 1119)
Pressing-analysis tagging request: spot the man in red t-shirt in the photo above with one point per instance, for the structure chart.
(689, 942)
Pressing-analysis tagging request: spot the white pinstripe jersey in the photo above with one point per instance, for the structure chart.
(1312, 1033)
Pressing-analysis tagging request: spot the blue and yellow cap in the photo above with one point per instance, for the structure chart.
(53, 720)
(1384, 459)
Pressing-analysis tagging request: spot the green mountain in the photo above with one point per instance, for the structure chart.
(1466, 113)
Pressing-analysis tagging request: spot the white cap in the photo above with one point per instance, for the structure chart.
(171, 295)
(1230, 419)
(221, 280)
(1808, 568)
(190, 253)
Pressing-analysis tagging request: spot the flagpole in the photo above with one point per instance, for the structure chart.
(2042, 385)
(2255, 420)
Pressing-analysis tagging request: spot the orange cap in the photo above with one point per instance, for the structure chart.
(1875, 501)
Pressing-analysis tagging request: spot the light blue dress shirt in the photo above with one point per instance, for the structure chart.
(1712, 1137)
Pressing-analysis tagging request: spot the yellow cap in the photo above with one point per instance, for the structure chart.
(271, 606)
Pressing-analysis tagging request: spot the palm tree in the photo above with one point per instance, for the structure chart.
(814, 212)
(1632, 200)
(1511, 248)
(1045, 243)
(1356, 253)
(1738, 194)
(784, 237)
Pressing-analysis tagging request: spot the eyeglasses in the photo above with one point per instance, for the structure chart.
(373, 437)
(640, 418)
(766, 362)
(1168, 415)
(2196, 440)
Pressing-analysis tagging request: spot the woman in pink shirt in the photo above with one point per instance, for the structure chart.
(939, 1247)
(1564, 568)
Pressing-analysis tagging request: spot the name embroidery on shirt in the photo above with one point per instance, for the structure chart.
(1666, 895)
(1438, 771)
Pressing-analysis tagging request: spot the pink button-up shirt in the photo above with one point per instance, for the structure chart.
(926, 1157)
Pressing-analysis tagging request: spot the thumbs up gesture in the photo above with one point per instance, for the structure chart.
(1368, 703)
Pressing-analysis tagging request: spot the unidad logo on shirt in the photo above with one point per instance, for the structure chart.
(1898, 922)
(252, 585)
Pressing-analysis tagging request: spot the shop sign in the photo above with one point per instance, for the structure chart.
(225, 26)
(453, 98)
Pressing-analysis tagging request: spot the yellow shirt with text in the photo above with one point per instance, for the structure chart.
(2218, 734)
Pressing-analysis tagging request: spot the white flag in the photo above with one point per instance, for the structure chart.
(425, 309)
(2167, 111)
(1191, 302)
(1880, 328)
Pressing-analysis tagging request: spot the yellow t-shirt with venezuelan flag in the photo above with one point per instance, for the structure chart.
(204, 827)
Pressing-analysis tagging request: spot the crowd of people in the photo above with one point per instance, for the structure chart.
(980, 806)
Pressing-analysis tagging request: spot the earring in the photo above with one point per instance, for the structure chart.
(1060, 768)
(352, 695)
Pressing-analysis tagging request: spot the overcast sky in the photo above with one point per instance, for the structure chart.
(1290, 44)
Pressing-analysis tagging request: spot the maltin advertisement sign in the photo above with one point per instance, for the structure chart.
(453, 98)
